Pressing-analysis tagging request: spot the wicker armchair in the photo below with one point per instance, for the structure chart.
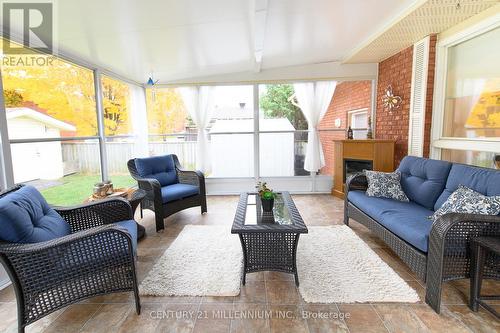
(154, 197)
(449, 254)
(96, 258)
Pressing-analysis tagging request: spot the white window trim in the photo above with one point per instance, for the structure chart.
(355, 112)
(438, 141)
(417, 117)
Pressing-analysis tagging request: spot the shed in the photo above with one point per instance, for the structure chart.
(37, 160)
(276, 149)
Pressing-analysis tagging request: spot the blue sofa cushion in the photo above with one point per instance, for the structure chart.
(423, 180)
(407, 220)
(178, 191)
(161, 168)
(25, 217)
(131, 227)
(482, 180)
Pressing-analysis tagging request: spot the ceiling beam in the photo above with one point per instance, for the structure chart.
(258, 22)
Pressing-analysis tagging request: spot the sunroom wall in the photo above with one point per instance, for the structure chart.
(397, 72)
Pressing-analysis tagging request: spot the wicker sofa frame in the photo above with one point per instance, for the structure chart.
(95, 259)
(153, 200)
(449, 255)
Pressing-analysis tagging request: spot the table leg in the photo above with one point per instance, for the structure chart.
(295, 273)
(476, 276)
(244, 248)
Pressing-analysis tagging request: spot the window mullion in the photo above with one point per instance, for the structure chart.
(6, 169)
(100, 125)
(256, 136)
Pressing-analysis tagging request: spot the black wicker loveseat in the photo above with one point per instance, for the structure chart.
(439, 251)
(65, 255)
(169, 188)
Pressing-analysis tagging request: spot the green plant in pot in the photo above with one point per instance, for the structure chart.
(266, 196)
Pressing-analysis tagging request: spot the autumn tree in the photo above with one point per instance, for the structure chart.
(66, 92)
(166, 111)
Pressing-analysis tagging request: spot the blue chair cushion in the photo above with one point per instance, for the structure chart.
(25, 217)
(131, 227)
(407, 220)
(177, 192)
(482, 180)
(161, 168)
(423, 180)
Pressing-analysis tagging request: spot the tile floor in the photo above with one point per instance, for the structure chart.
(264, 292)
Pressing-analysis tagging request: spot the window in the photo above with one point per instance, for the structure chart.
(282, 132)
(231, 132)
(171, 130)
(49, 101)
(52, 126)
(472, 107)
(116, 107)
(479, 158)
(358, 121)
(468, 104)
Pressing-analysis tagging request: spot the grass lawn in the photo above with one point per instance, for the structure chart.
(78, 187)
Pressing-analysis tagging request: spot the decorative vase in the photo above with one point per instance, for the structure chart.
(350, 134)
(267, 205)
(369, 132)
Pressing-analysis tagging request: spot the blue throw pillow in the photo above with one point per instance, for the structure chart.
(385, 185)
(25, 217)
(466, 200)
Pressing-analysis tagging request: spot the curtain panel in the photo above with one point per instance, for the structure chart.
(313, 99)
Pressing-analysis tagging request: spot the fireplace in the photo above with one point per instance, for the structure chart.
(352, 166)
(352, 156)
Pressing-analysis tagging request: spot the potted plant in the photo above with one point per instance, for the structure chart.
(266, 196)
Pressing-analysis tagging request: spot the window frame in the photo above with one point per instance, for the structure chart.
(438, 140)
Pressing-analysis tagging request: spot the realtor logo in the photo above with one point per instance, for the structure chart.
(31, 22)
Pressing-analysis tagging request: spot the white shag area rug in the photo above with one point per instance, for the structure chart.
(202, 261)
(336, 266)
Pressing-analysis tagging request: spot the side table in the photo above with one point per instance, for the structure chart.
(485, 251)
(134, 196)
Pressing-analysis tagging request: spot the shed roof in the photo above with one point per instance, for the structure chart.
(18, 112)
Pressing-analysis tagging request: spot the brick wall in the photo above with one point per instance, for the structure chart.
(348, 96)
(396, 71)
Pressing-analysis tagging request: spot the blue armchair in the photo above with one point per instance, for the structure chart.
(57, 257)
(169, 188)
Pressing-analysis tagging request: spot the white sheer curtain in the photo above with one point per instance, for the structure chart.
(139, 121)
(199, 103)
(313, 99)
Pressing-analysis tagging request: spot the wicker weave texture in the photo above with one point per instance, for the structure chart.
(153, 200)
(95, 259)
(449, 255)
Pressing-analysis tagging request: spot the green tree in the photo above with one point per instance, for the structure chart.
(276, 102)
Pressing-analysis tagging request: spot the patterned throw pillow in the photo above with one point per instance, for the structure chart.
(385, 185)
(465, 200)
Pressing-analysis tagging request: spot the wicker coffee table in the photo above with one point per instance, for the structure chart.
(269, 240)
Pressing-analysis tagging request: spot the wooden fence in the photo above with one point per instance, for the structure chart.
(84, 156)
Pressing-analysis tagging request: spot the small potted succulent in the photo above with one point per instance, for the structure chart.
(266, 196)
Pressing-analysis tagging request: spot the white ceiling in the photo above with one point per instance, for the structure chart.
(196, 38)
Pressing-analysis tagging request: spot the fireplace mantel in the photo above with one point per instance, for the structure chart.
(379, 152)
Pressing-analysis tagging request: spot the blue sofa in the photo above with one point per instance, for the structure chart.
(438, 251)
